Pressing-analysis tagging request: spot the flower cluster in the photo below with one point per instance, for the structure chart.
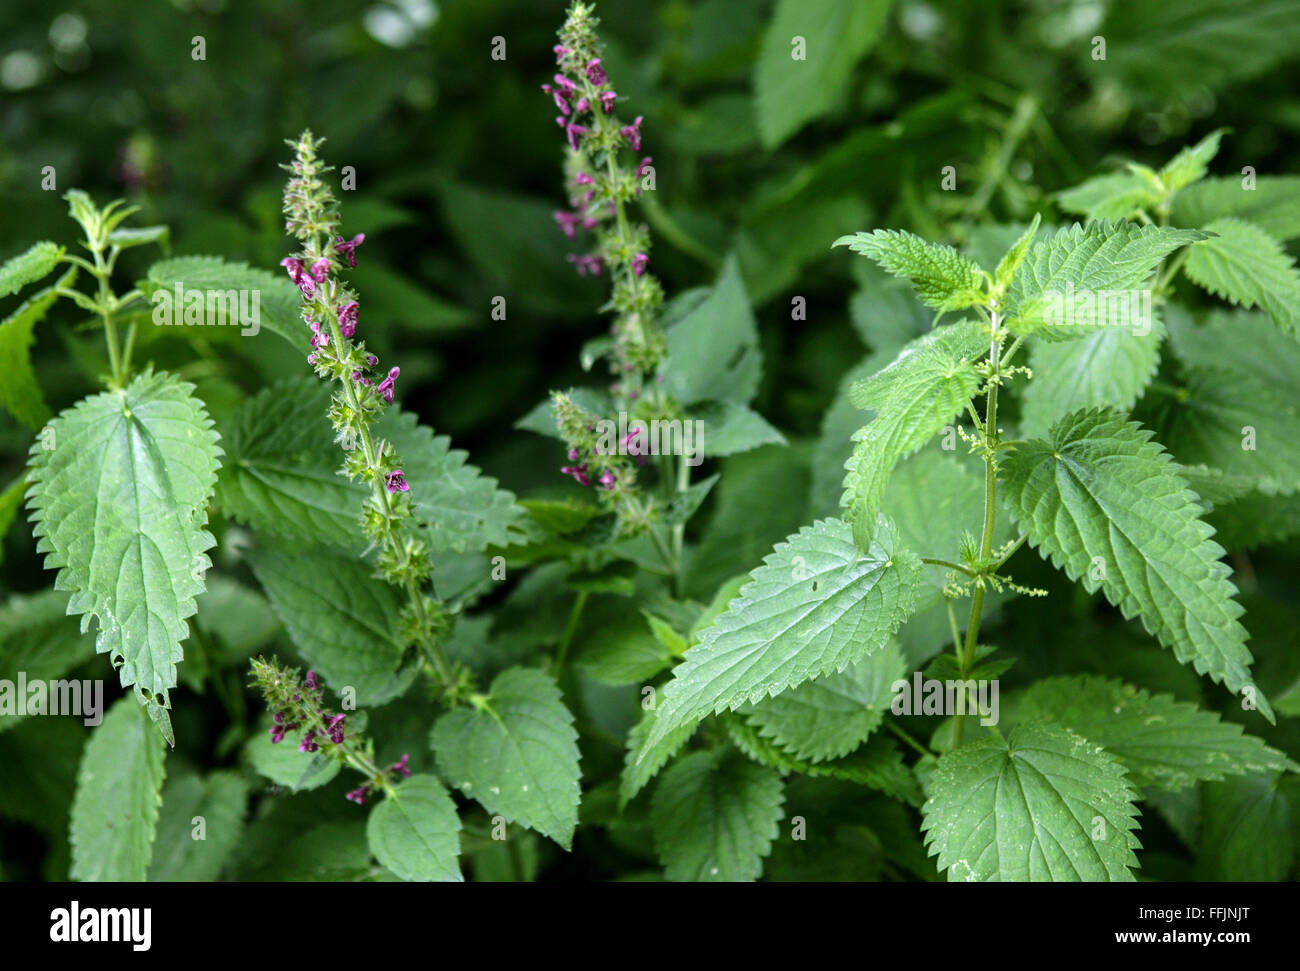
(596, 462)
(600, 186)
(332, 310)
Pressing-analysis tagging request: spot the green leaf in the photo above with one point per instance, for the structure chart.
(714, 816)
(341, 617)
(281, 474)
(1248, 830)
(1091, 262)
(461, 509)
(140, 236)
(1043, 804)
(1191, 164)
(283, 764)
(942, 277)
(1273, 204)
(516, 753)
(11, 500)
(38, 637)
(713, 352)
(28, 267)
(1105, 504)
(184, 852)
(1163, 743)
(731, 428)
(19, 392)
(279, 304)
(644, 757)
(1112, 366)
(685, 504)
(115, 812)
(1117, 195)
(1009, 265)
(928, 384)
(815, 606)
(415, 832)
(790, 92)
(1245, 265)
(119, 506)
(830, 717)
(624, 653)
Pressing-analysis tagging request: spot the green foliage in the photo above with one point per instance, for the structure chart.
(941, 276)
(415, 831)
(28, 267)
(1245, 265)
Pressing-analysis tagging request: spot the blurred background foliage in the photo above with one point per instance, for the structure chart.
(457, 161)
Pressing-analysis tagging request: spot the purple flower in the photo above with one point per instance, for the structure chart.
(560, 102)
(349, 314)
(607, 480)
(400, 767)
(559, 53)
(587, 263)
(581, 106)
(358, 795)
(579, 472)
(307, 744)
(320, 269)
(396, 481)
(277, 734)
(371, 360)
(607, 101)
(385, 388)
(567, 87)
(306, 285)
(567, 221)
(348, 249)
(573, 455)
(572, 132)
(312, 683)
(318, 339)
(356, 376)
(632, 133)
(335, 727)
(639, 263)
(595, 73)
(582, 178)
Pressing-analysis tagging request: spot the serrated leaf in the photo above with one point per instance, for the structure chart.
(731, 428)
(20, 394)
(1112, 367)
(942, 277)
(1162, 742)
(218, 801)
(1191, 164)
(1105, 504)
(517, 753)
(1070, 281)
(1015, 255)
(643, 757)
(714, 816)
(790, 92)
(625, 653)
(1248, 829)
(1245, 265)
(714, 352)
(341, 617)
(926, 386)
(279, 306)
(816, 605)
(38, 638)
(115, 811)
(1116, 195)
(119, 505)
(1043, 804)
(281, 474)
(140, 236)
(831, 716)
(415, 832)
(1273, 204)
(36, 262)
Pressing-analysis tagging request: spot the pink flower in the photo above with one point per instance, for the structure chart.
(595, 73)
(607, 100)
(579, 472)
(349, 315)
(568, 221)
(395, 481)
(645, 164)
(559, 53)
(639, 263)
(560, 101)
(386, 388)
(348, 249)
(358, 795)
(632, 133)
(582, 178)
(400, 767)
(572, 132)
(586, 263)
(320, 269)
(607, 480)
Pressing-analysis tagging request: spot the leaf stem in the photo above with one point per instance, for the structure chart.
(570, 629)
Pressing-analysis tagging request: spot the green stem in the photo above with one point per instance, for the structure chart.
(935, 561)
(570, 629)
(679, 531)
(908, 739)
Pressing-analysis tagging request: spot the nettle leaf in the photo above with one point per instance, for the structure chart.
(119, 784)
(830, 717)
(1116, 195)
(942, 277)
(646, 755)
(1163, 743)
(28, 267)
(1100, 264)
(914, 398)
(119, 504)
(279, 304)
(281, 474)
(218, 801)
(731, 428)
(1248, 829)
(1042, 804)
(1273, 204)
(1104, 502)
(1236, 411)
(1191, 164)
(815, 606)
(792, 86)
(1106, 367)
(714, 816)
(460, 508)
(38, 637)
(415, 832)
(342, 618)
(714, 352)
(19, 392)
(1245, 265)
(516, 753)
(1015, 255)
